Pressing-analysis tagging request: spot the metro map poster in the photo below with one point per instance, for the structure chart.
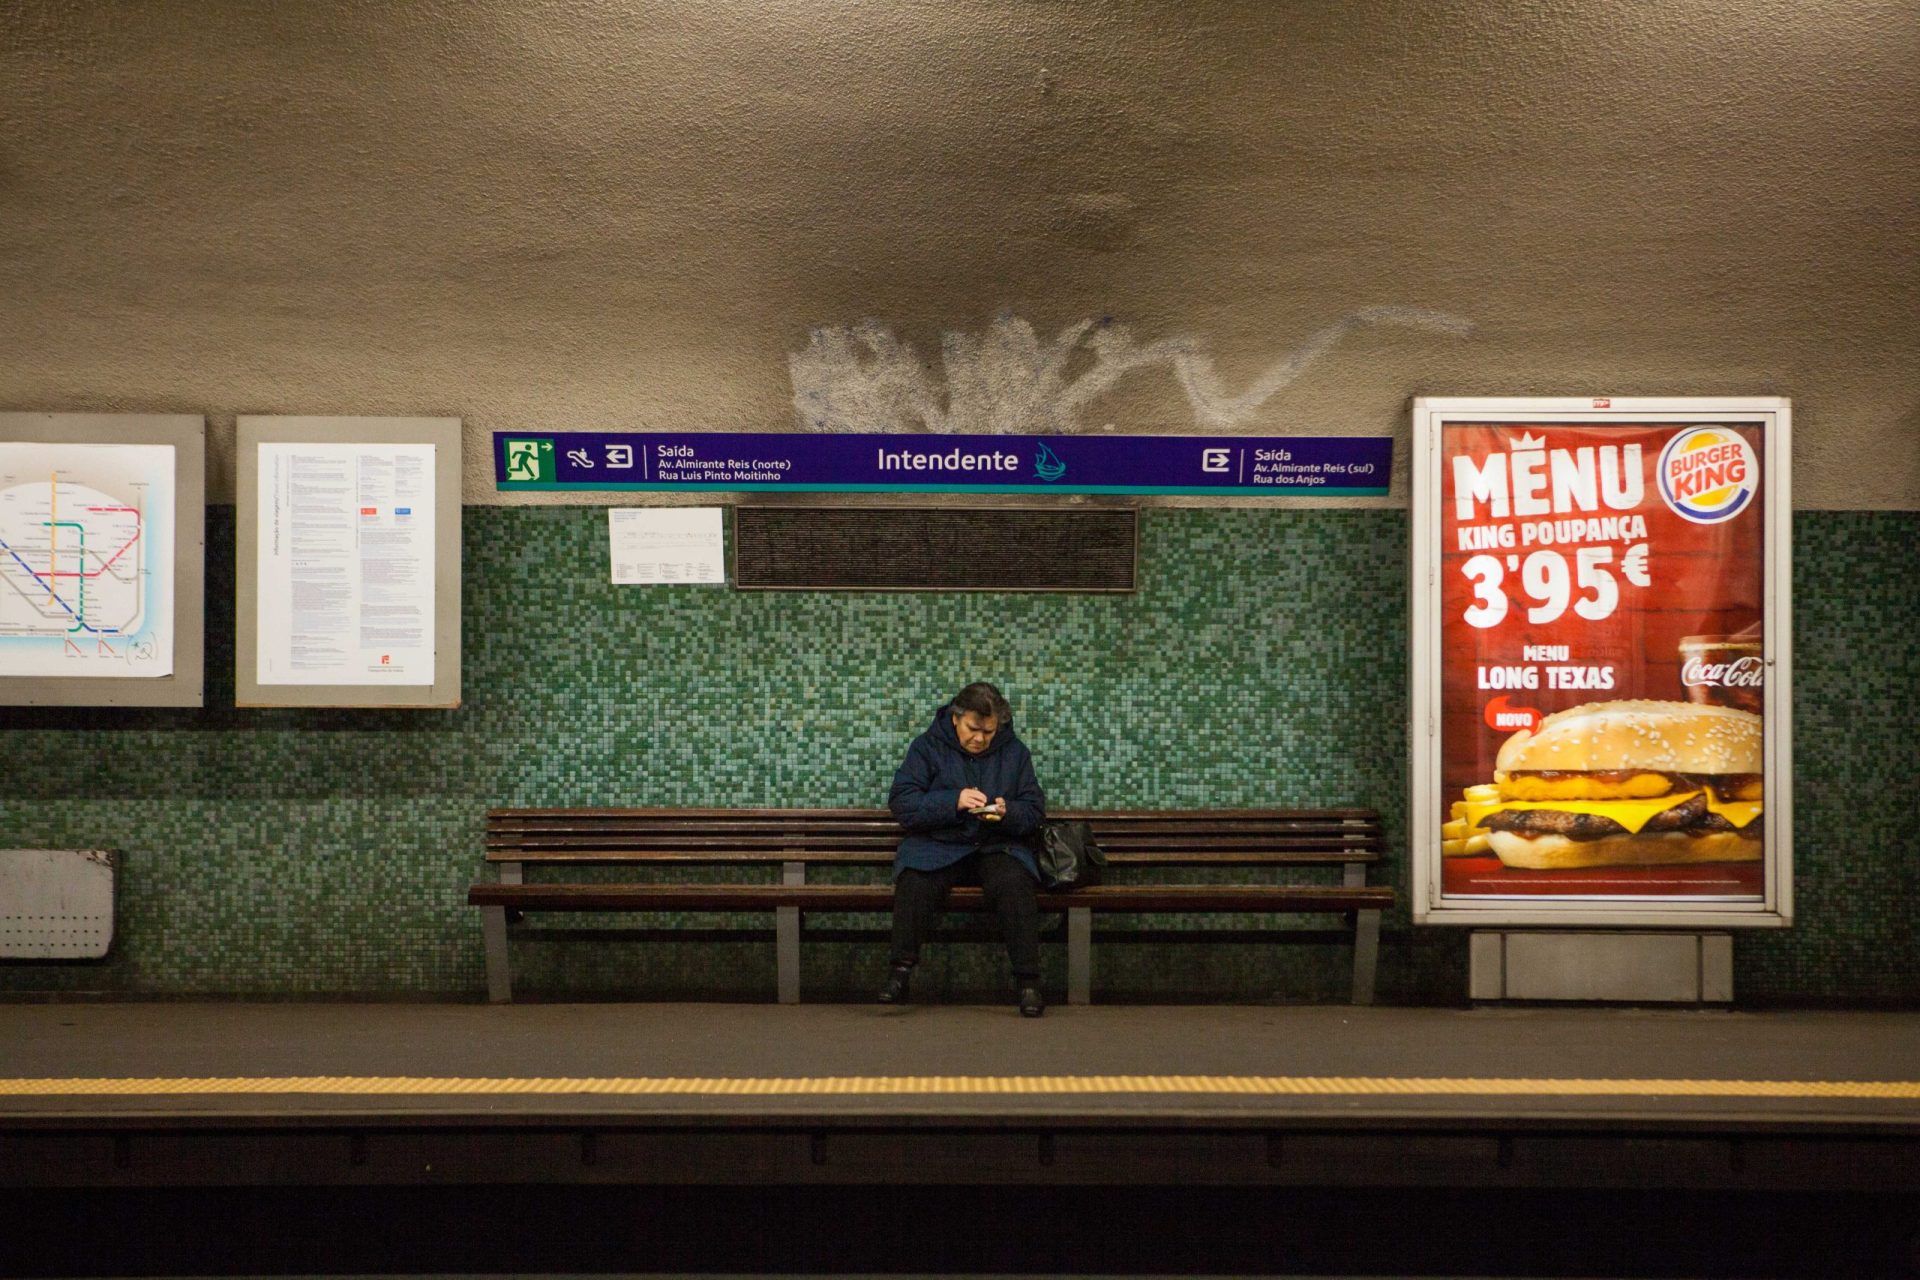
(86, 559)
(1598, 660)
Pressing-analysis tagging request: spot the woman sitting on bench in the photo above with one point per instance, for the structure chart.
(968, 798)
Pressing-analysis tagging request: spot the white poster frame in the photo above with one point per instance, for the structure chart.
(186, 434)
(254, 430)
(1429, 907)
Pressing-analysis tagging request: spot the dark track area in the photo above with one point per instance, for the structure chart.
(953, 1230)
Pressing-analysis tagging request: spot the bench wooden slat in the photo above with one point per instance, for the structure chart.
(826, 897)
(875, 857)
(694, 844)
(792, 815)
(884, 857)
(612, 813)
(1117, 834)
(883, 817)
(750, 829)
(1231, 840)
(1226, 820)
(671, 841)
(571, 822)
(617, 837)
(1241, 857)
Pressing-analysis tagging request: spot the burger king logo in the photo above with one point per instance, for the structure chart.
(1707, 474)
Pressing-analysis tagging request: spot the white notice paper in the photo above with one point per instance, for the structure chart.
(667, 544)
(346, 564)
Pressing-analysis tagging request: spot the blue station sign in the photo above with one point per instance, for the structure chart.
(797, 462)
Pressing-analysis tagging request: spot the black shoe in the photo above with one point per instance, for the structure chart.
(1031, 1005)
(895, 992)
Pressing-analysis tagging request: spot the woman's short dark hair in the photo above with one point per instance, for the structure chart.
(982, 699)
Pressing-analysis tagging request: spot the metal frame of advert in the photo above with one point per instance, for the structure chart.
(1514, 589)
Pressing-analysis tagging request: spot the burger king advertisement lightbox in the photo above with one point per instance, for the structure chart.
(1600, 685)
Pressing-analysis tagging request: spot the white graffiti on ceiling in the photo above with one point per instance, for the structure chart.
(861, 377)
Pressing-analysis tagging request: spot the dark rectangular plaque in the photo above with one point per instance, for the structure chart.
(934, 549)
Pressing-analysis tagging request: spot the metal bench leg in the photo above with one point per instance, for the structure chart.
(493, 928)
(786, 937)
(1366, 954)
(786, 946)
(1079, 955)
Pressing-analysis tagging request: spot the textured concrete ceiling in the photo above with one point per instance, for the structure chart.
(631, 215)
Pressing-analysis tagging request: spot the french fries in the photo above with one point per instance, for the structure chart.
(1457, 839)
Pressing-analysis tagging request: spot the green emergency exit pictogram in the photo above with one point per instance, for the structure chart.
(529, 460)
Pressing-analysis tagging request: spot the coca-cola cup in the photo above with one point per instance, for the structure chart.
(1726, 671)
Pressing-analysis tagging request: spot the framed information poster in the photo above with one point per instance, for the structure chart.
(1601, 682)
(349, 562)
(102, 559)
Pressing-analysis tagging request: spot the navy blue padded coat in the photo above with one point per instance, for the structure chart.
(927, 787)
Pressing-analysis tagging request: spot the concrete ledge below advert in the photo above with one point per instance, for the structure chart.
(1688, 968)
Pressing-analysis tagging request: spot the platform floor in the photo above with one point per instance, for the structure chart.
(1153, 1065)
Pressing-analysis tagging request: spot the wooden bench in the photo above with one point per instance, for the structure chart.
(1136, 843)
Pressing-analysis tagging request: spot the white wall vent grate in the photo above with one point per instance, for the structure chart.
(56, 904)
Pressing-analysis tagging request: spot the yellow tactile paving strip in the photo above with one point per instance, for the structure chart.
(928, 1086)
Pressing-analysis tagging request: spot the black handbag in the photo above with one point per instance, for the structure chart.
(1067, 855)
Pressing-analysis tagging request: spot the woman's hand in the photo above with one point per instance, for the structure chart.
(970, 799)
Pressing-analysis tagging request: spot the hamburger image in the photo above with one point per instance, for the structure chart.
(1632, 783)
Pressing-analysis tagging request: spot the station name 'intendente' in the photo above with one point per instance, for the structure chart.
(952, 460)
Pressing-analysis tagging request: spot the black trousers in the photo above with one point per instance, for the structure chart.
(920, 898)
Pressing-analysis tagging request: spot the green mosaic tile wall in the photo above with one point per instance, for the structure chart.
(285, 853)
(1856, 708)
